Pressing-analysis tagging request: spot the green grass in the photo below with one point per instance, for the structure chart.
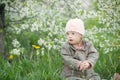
(47, 67)
(108, 64)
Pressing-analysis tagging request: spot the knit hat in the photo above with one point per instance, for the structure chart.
(76, 25)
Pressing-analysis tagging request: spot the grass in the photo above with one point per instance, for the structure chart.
(108, 64)
(47, 67)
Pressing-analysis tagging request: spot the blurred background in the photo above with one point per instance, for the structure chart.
(32, 32)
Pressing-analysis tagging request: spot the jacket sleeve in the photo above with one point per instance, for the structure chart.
(92, 55)
(68, 59)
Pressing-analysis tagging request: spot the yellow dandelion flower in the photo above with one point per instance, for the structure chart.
(11, 57)
(35, 46)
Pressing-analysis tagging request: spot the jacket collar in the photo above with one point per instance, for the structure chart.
(82, 48)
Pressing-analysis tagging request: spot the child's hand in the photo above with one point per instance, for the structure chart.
(84, 65)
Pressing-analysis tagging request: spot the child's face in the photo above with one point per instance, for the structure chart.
(73, 37)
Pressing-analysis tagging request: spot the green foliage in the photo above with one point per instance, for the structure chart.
(108, 64)
(42, 22)
(38, 69)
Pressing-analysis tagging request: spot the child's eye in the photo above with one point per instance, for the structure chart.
(67, 33)
(73, 33)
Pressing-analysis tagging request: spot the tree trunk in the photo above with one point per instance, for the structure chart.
(2, 26)
(1, 42)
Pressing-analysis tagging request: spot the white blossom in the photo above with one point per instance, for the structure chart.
(41, 41)
(15, 52)
(34, 27)
(16, 43)
(24, 26)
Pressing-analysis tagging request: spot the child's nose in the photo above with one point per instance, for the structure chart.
(70, 36)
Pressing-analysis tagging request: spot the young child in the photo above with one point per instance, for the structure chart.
(79, 55)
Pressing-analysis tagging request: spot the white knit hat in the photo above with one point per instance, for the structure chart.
(76, 25)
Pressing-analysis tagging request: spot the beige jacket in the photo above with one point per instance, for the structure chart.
(72, 56)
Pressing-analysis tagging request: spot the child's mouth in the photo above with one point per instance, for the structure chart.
(70, 40)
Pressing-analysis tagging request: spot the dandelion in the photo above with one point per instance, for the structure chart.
(11, 57)
(35, 46)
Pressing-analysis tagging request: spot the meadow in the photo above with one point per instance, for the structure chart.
(34, 35)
